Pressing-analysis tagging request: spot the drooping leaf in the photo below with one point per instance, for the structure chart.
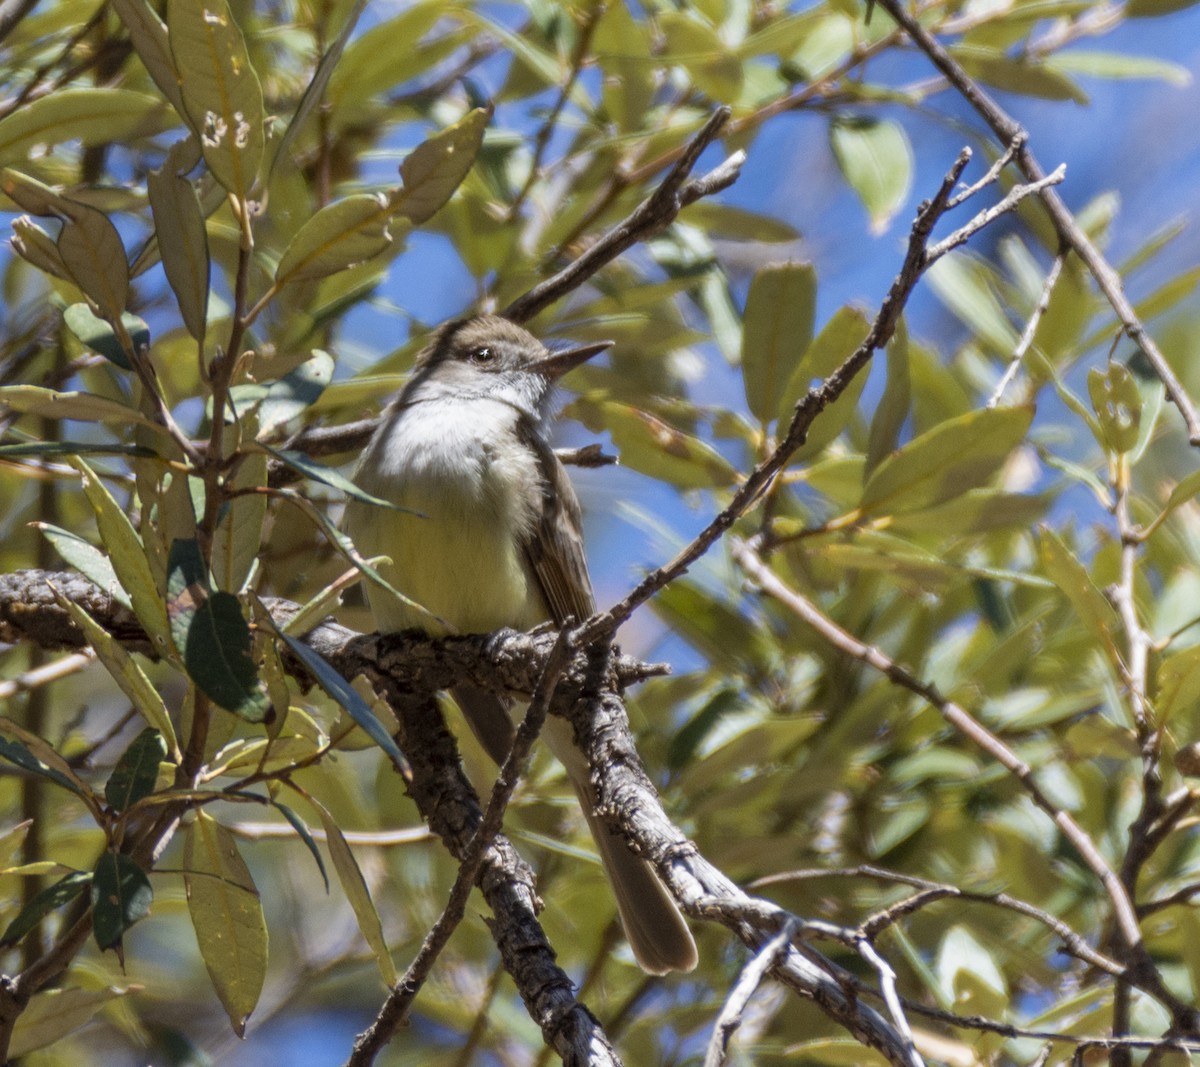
(128, 675)
(221, 91)
(182, 239)
(148, 35)
(227, 916)
(341, 691)
(778, 328)
(92, 250)
(128, 557)
(876, 159)
(212, 635)
(32, 753)
(136, 771)
(1027, 77)
(301, 828)
(36, 246)
(43, 903)
(121, 895)
(354, 885)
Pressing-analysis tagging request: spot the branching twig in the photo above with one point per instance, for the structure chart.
(1070, 233)
(1027, 335)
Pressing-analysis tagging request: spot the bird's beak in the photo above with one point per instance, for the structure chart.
(558, 363)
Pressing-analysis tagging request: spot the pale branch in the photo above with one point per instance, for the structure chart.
(1030, 331)
(1141, 970)
(1070, 234)
(730, 1018)
(394, 1012)
(659, 210)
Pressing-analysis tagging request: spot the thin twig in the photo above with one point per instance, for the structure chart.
(1070, 233)
(730, 1018)
(1027, 335)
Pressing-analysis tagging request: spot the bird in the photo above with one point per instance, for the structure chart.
(491, 537)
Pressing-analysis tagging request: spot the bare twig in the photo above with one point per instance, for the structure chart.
(46, 673)
(730, 1018)
(658, 210)
(1070, 233)
(1027, 335)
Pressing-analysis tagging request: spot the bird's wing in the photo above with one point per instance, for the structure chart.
(555, 546)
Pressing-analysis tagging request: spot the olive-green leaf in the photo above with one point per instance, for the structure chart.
(955, 456)
(893, 407)
(93, 116)
(221, 91)
(354, 885)
(227, 916)
(1154, 8)
(85, 558)
(237, 540)
(778, 327)
(94, 255)
(340, 235)
(127, 673)
(55, 1013)
(43, 903)
(212, 635)
(295, 392)
(310, 468)
(876, 159)
(1118, 405)
(182, 242)
(433, 170)
(83, 407)
(121, 895)
(148, 35)
(1118, 65)
(1028, 77)
(99, 335)
(1072, 578)
(128, 557)
(36, 246)
(136, 771)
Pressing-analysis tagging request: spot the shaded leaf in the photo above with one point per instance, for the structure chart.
(54, 1013)
(310, 468)
(1118, 406)
(301, 828)
(43, 903)
(227, 916)
(148, 35)
(182, 239)
(121, 895)
(136, 771)
(99, 335)
(93, 253)
(893, 408)
(36, 246)
(1026, 77)
(31, 753)
(1090, 604)
(237, 540)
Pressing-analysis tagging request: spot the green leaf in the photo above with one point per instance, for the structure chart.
(1119, 65)
(340, 235)
(227, 916)
(126, 672)
(698, 48)
(36, 246)
(1090, 604)
(99, 335)
(653, 447)
(238, 537)
(220, 89)
(31, 753)
(43, 449)
(969, 975)
(182, 238)
(1118, 406)
(213, 636)
(310, 468)
(1154, 8)
(148, 35)
(295, 392)
(894, 405)
(83, 407)
(354, 885)
(136, 771)
(877, 161)
(128, 558)
(341, 691)
(121, 895)
(433, 170)
(85, 558)
(1024, 77)
(93, 116)
(778, 328)
(43, 903)
(55, 1013)
(954, 457)
(718, 219)
(301, 828)
(92, 251)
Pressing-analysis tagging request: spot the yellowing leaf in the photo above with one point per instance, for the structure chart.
(227, 916)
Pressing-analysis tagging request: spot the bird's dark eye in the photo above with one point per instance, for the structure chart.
(482, 354)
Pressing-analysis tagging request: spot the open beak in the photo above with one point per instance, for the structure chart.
(557, 364)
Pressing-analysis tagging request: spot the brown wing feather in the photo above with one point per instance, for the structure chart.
(555, 547)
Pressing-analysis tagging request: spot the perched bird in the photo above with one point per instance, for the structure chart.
(493, 539)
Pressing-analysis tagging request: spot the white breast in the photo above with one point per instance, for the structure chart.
(478, 490)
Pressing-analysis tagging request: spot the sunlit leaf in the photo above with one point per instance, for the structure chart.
(54, 1013)
(778, 327)
(876, 159)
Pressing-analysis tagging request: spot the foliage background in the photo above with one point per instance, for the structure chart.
(773, 750)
